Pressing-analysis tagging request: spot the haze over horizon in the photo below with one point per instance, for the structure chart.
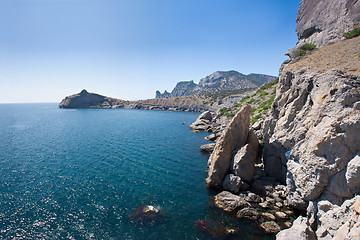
(129, 49)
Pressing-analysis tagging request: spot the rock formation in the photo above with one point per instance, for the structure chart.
(311, 134)
(216, 82)
(324, 22)
(85, 100)
(234, 137)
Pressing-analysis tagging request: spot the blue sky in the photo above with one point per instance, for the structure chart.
(128, 49)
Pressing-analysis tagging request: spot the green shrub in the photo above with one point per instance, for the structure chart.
(244, 99)
(301, 52)
(353, 33)
(308, 47)
(250, 101)
(263, 94)
(237, 104)
(255, 118)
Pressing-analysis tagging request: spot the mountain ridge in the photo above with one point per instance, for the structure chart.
(216, 82)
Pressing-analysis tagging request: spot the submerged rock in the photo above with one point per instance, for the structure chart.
(145, 214)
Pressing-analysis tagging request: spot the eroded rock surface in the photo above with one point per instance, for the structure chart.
(324, 22)
(235, 135)
(313, 133)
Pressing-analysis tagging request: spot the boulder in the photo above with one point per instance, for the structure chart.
(248, 214)
(207, 147)
(268, 216)
(280, 215)
(270, 227)
(202, 123)
(300, 229)
(252, 197)
(232, 183)
(234, 136)
(243, 164)
(229, 202)
(353, 174)
(211, 137)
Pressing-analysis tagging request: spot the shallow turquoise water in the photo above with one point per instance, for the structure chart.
(78, 174)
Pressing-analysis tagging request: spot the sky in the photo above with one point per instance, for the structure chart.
(128, 49)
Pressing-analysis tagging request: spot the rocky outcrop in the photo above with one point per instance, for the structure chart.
(209, 148)
(216, 82)
(325, 220)
(181, 89)
(86, 100)
(202, 123)
(234, 137)
(325, 22)
(313, 135)
(301, 229)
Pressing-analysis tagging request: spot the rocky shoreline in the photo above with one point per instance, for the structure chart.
(310, 160)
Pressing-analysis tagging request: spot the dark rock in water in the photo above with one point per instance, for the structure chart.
(202, 226)
(248, 213)
(217, 232)
(145, 214)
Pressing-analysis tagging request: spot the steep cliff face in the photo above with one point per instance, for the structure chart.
(325, 21)
(216, 82)
(312, 134)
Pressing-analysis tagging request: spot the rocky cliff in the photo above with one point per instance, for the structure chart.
(217, 82)
(324, 22)
(311, 134)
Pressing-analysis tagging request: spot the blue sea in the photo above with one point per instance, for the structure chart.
(78, 174)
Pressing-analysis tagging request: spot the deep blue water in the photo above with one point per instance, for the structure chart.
(78, 174)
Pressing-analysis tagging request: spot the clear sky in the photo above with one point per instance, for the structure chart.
(128, 49)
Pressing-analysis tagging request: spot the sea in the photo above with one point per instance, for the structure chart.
(80, 173)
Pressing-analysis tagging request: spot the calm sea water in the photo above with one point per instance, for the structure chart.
(78, 174)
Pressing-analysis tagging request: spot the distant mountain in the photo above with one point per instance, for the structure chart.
(216, 82)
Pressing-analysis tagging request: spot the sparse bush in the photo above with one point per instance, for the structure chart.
(250, 101)
(237, 104)
(255, 118)
(301, 53)
(353, 33)
(308, 46)
(244, 99)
